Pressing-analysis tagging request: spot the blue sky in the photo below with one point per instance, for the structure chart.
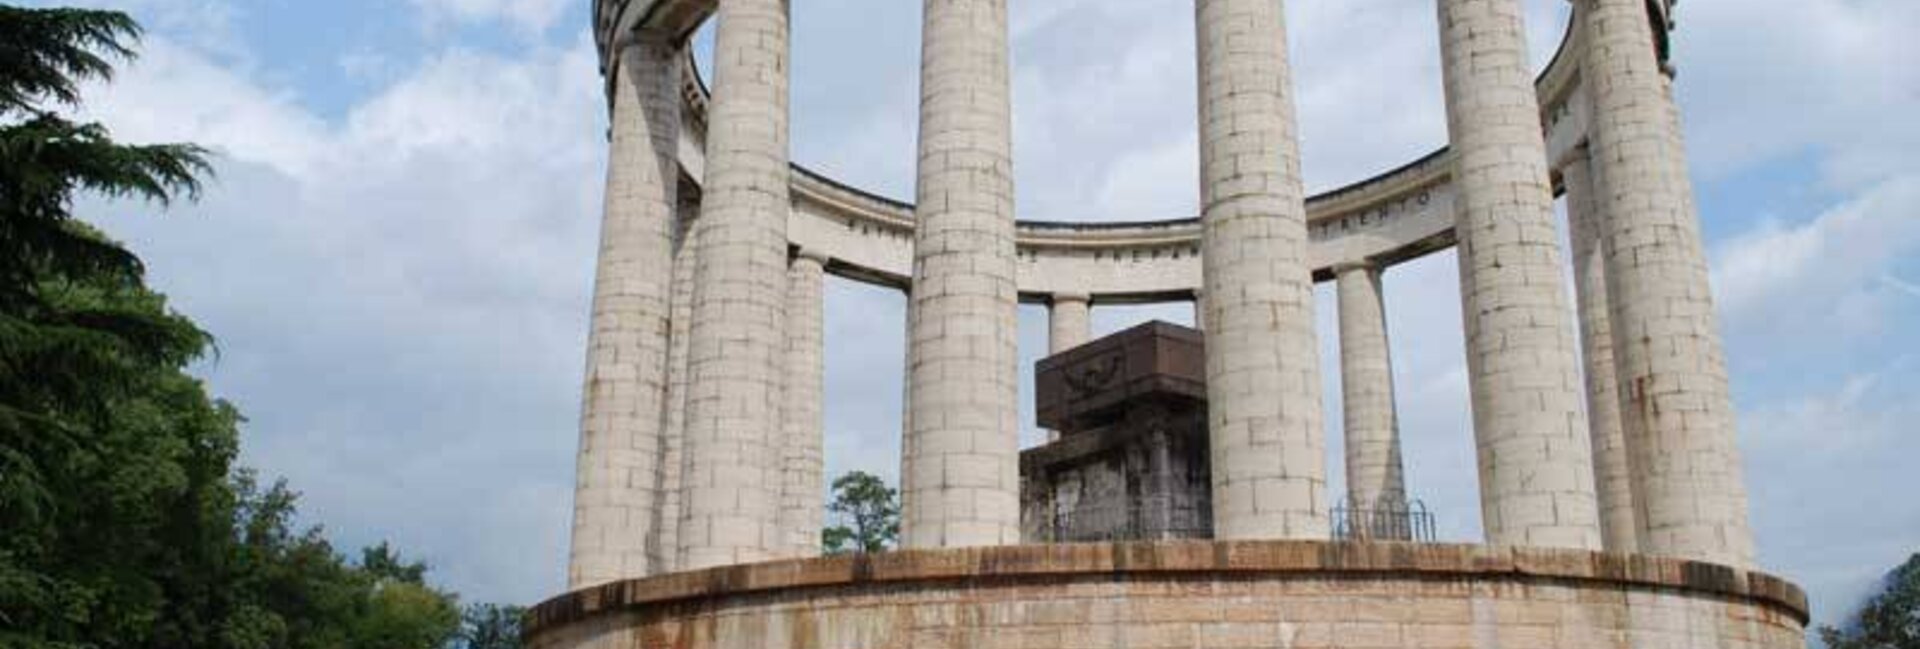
(397, 256)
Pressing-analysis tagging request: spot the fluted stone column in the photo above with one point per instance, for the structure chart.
(961, 457)
(1536, 472)
(803, 506)
(1069, 325)
(738, 343)
(1263, 368)
(1613, 479)
(616, 490)
(1376, 480)
(1674, 401)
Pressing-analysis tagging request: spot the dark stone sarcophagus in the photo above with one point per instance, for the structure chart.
(1131, 462)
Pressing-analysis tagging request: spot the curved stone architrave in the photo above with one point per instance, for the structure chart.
(1401, 214)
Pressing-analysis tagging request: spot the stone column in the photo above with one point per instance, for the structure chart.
(1674, 401)
(1376, 481)
(1200, 310)
(738, 344)
(1263, 366)
(673, 441)
(961, 462)
(615, 492)
(1069, 322)
(802, 505)
(1536, 471)
(1613, 479)
(1069, 325)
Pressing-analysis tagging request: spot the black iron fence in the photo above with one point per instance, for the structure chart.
(1389, 520)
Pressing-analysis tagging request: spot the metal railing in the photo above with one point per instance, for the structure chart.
(1390, 520)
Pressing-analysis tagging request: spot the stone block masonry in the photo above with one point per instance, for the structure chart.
(1536, 469)
(1265, 595)
(737, 351)
(1263, 365)
(618, 490)
(1376, 477)
(960, 460)
(1613, 475)
(1674, 401)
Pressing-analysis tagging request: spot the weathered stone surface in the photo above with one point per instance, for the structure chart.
(1132, 463)
(1536, 471)
(1376, 478)
(1674, 403)
(1069, 325)
(959, 471)
(1206, 594)
(1263, 365)
(618, 489)
(737, 350)
(1612, 474)
(803, 489)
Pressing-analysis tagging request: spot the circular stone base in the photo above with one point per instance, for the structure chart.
(1196, 594)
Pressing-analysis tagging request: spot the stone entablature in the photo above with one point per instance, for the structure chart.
(1401, 214)
(1186, 594)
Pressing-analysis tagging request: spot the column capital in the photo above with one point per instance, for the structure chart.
(1082, 298)
(1344, 267)
(814, 255)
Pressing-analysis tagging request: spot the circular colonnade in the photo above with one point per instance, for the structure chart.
(701, 427)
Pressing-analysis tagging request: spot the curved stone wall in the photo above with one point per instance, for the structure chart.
(1199, 594)
(1399, 215)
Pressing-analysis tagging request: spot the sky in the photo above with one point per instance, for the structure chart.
(397, 255)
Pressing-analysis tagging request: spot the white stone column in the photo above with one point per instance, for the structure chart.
(1069, 322)
(673, 440)
(1263, 367)
(738, 343)
(802, 505)
(961, 457)
(616, 490)
(1674, 400)
(1613, 478)
(1536, 471)
(1376, 480)
(1069, 325)
(1200, 310)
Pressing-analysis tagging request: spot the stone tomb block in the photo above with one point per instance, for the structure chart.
(1132, 462)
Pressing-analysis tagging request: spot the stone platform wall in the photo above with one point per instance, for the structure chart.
(1199, 594)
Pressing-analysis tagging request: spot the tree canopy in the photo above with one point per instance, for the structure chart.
(127, 522)
(1889, 620)
(868, 515)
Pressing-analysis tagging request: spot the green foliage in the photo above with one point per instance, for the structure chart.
(491, 626)
(1891, 620)
(868, 515)
(126, 523)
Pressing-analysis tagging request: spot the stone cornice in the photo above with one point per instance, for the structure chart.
(1272, 559)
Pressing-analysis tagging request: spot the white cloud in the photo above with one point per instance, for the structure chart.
(400, 295)
(1825, 77)
(1825, 276)
(530, 16)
